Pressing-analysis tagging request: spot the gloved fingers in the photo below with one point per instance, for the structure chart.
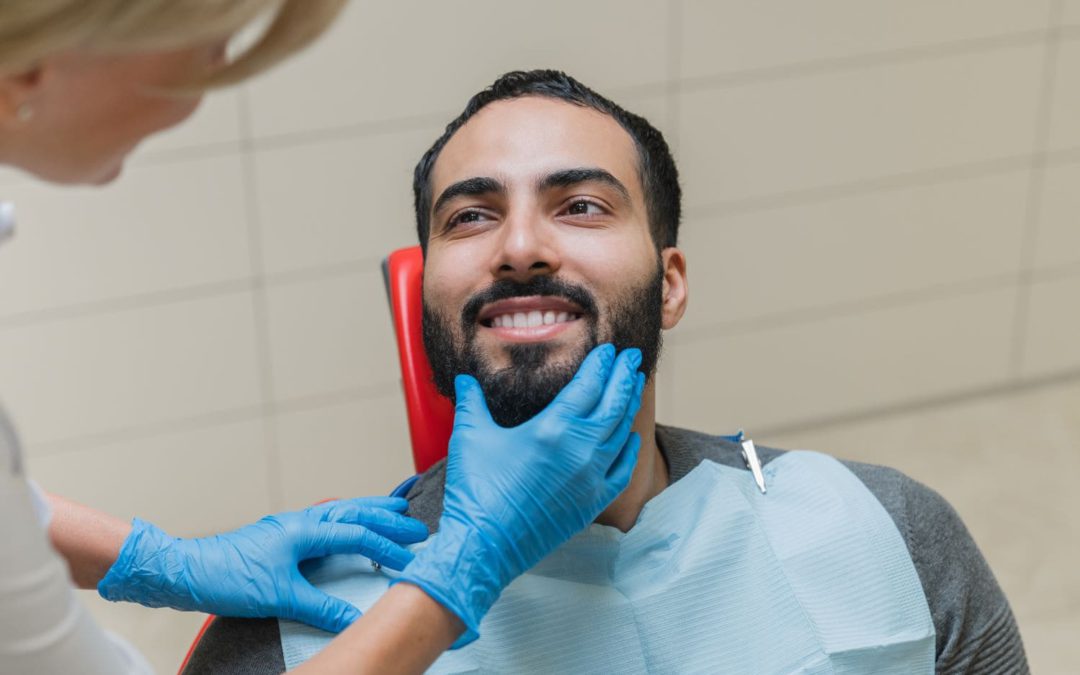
(581, 395)
(333, 538)
(400, 528)
(471, 405)
(399, 504)
(318, 609)
(619, 394)
(617, 439)
(622, 469)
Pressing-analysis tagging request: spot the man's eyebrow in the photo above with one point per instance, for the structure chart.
(571, 177)
(470, 187)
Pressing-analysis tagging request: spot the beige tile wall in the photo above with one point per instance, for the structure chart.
(881, 215)
(1009, 465)
(1058, 234)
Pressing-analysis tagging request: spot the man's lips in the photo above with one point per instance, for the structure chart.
(530, 319)
(530, 311)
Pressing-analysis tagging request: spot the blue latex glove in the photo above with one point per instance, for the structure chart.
(514, 495)
(252, 572)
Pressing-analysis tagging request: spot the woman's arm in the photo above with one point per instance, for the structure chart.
(250, 572)
(404, 632)
(87, 539)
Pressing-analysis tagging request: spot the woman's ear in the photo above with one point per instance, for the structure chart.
(675, 288)
(17, 94)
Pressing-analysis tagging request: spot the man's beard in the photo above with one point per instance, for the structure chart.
(517, 393)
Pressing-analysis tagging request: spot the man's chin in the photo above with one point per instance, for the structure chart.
(533, 356)
(516, 394)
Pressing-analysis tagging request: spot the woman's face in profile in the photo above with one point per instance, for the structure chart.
(90, 110)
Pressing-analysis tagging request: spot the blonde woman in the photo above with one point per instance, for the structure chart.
(82, 82)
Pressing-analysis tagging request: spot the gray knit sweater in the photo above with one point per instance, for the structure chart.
(976, 632)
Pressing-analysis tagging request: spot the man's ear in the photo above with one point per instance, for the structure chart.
(676, 291)
(17, 94)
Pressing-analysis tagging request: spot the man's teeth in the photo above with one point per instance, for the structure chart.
(532, 319)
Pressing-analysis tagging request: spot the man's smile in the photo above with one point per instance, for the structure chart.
(529, 319)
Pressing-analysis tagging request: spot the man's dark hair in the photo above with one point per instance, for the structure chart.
(656, 167)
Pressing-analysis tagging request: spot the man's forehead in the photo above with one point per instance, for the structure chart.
(525, 138)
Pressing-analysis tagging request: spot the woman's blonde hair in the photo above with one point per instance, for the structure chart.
(32, 30)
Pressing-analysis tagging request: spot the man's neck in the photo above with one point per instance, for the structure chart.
(650, 475)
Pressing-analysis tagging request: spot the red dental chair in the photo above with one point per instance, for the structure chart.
(430, 414)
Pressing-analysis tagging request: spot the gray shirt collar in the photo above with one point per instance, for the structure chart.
(682, 449)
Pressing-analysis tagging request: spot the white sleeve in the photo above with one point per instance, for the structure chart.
(134, 662)
(43, 626)
(42, 507)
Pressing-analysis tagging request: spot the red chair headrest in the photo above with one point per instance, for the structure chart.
(430, 414)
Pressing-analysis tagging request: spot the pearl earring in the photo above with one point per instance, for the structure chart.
(24, 112)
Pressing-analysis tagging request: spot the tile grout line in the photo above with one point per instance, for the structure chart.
(664, 387)
(182, 294)
(208, 420)
(866, 186)
(90, 441)
(138, 301)
(260, 308)
(330, 399)
(431, 121)
(1033, 208)
(1063, 157)
(809, 315)
(1004, 388)
(886, 183)
(677, 86)
(1061, 272)
(328, 271)
(188, 153)
(866, 60)
(1055, 158)
(793, 317)
(674, 70)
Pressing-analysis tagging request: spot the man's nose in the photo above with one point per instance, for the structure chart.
(526, 248)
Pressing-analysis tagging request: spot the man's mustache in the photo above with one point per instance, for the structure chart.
(538, 285)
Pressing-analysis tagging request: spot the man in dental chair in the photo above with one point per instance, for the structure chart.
(549, 219)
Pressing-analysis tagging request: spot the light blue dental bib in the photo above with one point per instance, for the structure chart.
(812, 577)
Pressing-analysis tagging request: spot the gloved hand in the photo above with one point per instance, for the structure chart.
(514, 495)
(252, 572)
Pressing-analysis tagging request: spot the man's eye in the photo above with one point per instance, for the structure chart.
(465, 217)
(584, 208)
